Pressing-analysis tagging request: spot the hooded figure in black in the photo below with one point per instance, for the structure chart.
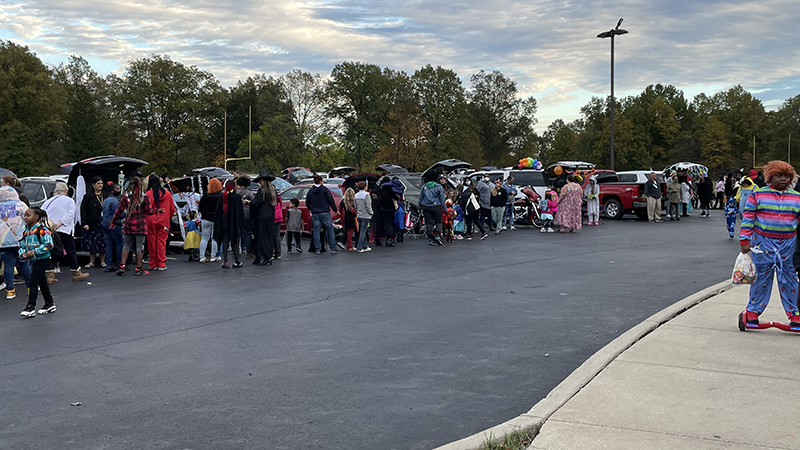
(228, 221)
(262, 216)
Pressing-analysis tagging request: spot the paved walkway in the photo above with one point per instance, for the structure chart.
(696, 382)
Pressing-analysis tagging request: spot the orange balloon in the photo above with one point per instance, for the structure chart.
(558, 170)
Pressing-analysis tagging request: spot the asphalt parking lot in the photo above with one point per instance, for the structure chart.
(403, 348)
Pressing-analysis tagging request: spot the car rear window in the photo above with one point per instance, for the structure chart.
(33, 191)
(414, 181)
(628, 178)
(334, 190)
(606, 177)
(528, 178)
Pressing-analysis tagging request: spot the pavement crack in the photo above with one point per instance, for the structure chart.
(726, 372)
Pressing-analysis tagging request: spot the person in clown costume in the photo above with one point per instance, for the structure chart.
(768, 233)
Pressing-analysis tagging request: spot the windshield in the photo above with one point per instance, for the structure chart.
(298, 174)
(528, 178)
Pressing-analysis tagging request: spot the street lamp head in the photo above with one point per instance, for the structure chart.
(619, 23)
(610, 33)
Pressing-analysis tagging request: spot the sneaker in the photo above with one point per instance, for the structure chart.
(161, 269)
(513, 228)
(503, 228)
(203, 260)
(225, 266)
(299, 250)
(47, 309)
(57, 270)
(11, 294)
(438, 240)
(484, 236)
(318, 253)
(731, 234)
(237, 265)
(215, 259)
(794, 321)
(430, 242)
(543, 230)
(109, 269)
(368, 249)
(121, 270)
(288, 250)
(140, 271)
(278, 257)
(459, 237)
(469, 238)
(29, 311)
(333, 252)
(2, 286)
(550, 230)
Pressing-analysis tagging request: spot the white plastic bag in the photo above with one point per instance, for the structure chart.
(744, 271)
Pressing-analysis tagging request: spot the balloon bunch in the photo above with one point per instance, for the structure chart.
(530, 163)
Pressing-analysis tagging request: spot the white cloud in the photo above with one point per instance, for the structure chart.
(549, 47)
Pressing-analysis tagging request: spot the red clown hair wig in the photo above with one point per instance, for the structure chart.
(775, 167)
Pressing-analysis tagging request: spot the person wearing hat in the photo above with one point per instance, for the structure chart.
(262, 216)
(319, 202)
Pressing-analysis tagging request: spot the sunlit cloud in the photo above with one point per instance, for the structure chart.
(548, 47)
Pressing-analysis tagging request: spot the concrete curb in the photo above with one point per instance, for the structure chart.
(561, 394)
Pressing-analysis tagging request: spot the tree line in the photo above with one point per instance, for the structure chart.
(178, 117)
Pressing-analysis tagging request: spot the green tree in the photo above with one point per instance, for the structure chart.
(31, 112)
(87, 123)
(358, 95)
(503, 120)
(716, 143)
(446, 123)
(406, 145)
(306, 95)
(172, 107)
(561, 143)
(624, 143)
(783, 123)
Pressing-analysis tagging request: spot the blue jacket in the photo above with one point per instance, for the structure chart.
(432, 194)
(110, 205)
(511, 190)
(320, 200)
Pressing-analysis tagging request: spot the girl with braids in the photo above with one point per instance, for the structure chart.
(135, 204)
(35, 246)
(158, 223)
(228, 223)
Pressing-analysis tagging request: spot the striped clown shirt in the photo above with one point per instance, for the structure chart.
(770, 213)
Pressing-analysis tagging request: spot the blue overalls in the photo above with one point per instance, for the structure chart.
(773, 256)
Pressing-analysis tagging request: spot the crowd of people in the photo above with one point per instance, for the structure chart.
(127, 226)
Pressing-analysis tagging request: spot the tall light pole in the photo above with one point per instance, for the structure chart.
(610, 34)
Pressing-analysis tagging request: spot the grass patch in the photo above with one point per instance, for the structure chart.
(517, 440)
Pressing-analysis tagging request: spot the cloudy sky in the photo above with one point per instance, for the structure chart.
(548, 47)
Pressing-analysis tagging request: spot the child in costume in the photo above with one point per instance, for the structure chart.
(730, 215)
(448, 219)
(193, 236)
(548, 207)
(459, 226)
(769, 232)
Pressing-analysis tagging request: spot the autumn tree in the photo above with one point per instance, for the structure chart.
(716, 143)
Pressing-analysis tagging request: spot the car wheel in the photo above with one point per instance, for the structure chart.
(614, 210)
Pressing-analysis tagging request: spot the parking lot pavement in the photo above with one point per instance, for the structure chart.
(407, 348)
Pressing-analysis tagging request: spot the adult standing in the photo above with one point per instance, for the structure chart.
(686, 195)
(319, 202)
(135, 206)
(262, 215)
(705, 190)
(432, 204)
(12, 181)
(228, 220)
(592, 194)
(60, 210)
(113, 235)
(674, 196)
(508, 215)
(92, 239)
(12, 227)
(719, 194)
(485, 201)
(569, 206)
(729, 191)
(158, 223)
(364, 213)
(498, 204)
(276, 235)
(653, 194)
(388, 201)
(243, 189)
(472, 209)
(208, 209)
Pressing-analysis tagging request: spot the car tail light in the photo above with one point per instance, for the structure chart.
(635, 191)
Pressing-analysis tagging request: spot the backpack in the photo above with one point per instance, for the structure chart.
(58, 247)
